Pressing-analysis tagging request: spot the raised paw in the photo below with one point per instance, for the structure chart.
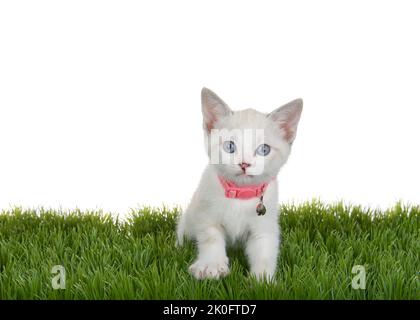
(209, 270)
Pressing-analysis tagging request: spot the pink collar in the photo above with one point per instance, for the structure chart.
(234, 191)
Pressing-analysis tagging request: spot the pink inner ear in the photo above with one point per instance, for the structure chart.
(209, 126)
(210, 120)
(288, 132)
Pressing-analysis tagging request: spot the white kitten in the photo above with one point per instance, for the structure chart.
(224, 207)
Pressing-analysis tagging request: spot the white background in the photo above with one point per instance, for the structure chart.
(100, 100)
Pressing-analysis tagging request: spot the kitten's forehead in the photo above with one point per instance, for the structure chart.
(262, 127)
(245, 119)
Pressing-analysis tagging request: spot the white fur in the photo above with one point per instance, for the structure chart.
(213, 220)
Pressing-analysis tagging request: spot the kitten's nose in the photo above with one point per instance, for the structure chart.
(244, 165)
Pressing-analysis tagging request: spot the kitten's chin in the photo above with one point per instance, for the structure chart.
(245, 179)
(240, 178)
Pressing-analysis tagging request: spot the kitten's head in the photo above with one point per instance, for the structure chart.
(248, 147)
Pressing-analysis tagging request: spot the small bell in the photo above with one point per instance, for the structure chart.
(261, 208)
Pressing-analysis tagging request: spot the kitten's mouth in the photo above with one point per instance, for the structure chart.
(244, 174)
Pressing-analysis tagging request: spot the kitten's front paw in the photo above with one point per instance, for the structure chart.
(264, 277)
(209, 270)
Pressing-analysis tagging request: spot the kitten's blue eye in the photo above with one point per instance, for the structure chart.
(263, 150)
(229, 146)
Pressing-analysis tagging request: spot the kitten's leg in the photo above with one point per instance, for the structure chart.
(262, 250)
(212, 261)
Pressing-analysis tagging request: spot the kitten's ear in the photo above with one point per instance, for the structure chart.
(287, 117)
(213, 108)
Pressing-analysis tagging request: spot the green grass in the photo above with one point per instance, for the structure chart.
(138, 259)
